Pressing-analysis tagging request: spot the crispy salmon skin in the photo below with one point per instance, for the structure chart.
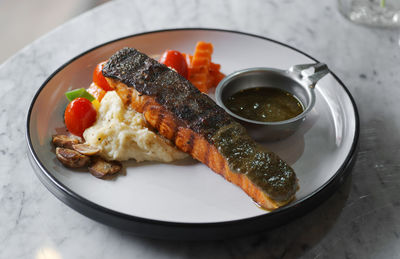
(198, 126)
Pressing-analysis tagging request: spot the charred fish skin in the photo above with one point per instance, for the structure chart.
(199, 113)
(196, 110)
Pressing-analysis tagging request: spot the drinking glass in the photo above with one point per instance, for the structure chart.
(380, 13)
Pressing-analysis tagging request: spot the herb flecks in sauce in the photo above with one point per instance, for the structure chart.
(264, 104)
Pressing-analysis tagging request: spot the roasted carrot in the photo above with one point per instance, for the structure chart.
(212, 78)
(215, 75)
(214, 67)
(200, 65)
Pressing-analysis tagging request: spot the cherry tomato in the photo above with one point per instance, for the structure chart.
(99, 79)
(79, 115)
(174, 59)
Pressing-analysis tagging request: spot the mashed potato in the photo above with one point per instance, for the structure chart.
(121, 134)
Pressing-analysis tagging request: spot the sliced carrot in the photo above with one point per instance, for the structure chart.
(215, 77)
(198, 74)
(215, 67)
(200, 65)
(96, 91)
(188, 58)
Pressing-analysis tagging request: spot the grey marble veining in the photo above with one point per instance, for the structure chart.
(361, 220)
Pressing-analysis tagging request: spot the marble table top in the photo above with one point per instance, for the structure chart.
(360, 220)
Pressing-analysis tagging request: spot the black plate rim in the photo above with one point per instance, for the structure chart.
(287, 212)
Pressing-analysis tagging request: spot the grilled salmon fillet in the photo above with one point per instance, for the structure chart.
(198, 126)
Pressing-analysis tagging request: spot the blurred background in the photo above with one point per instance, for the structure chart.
(23, 21)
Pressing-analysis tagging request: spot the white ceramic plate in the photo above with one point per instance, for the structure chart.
(188, 193)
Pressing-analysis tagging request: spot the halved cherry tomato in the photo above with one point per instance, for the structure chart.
(174, 59)
(99, 79)
(79, 115)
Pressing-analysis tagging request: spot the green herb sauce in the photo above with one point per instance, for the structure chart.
(264, 104)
